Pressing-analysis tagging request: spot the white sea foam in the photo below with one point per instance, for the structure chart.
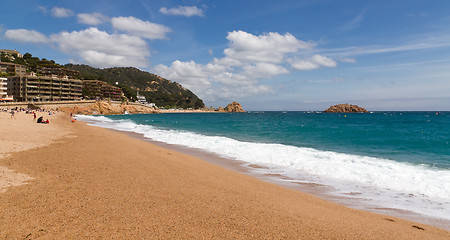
(388, 183)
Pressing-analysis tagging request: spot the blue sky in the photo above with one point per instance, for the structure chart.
(267, 55)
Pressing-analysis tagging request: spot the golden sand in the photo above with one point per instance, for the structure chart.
(93, 183)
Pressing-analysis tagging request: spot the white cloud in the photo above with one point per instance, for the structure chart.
(187, 11)
(313, 62)
(213, 81)
(210, 81)
(60, 12)
(92, 18)
(190, 74)
(323, 61)
(264, 70)
(139, 28)
(100, 49)
(101, 59)
(303, 65)
(92, 46)
(24, 35)
(248, 60)
(271, 47)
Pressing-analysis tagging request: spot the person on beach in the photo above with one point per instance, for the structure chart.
(34, 116)
(12, 114)
(40, 119)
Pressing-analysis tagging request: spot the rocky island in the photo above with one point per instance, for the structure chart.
(232, 107)
(345, 108)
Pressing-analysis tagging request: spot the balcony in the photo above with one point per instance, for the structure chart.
(32, 81)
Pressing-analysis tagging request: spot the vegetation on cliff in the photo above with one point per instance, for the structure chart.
(162, 92)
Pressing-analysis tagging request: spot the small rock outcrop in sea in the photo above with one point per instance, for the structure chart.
(345, 108)
(233, 107)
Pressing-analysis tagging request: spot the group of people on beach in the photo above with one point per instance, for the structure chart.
(15, 110)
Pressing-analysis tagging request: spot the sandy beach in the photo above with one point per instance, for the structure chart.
(68, 180)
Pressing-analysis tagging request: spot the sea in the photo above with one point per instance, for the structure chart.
(395, 163)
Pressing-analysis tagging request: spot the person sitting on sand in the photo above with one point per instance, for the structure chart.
(46, 121)
(12, 114)
(40, 119)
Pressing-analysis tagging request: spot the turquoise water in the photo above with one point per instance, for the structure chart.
(415, 137)
(388, 160)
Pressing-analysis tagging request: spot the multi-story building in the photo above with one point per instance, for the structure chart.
(12, 68)
(102, 90)
(48, 88)
(4, 97)
(10, 52)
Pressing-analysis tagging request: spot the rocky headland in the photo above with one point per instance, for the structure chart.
(91, 107)
(107, 108)
(345, 108)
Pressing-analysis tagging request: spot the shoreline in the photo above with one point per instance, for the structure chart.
(318, 190)
(98, 183)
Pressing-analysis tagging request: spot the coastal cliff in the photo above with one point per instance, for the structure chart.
(106, 108)
(345, 108)
(91, 107)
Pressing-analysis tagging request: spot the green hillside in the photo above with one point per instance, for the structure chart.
(162, 92)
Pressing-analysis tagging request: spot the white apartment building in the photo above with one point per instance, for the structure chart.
(4, 97)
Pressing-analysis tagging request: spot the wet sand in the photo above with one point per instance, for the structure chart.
(93, 183)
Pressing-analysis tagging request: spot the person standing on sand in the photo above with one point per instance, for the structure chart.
(12, 114)
(34, 119)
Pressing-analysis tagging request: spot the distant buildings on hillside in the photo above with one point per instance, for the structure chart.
(49, 84)
(10, 52)
(12, 68)
(96, 89)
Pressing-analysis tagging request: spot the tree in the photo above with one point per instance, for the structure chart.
(128, 92)
(5, 58)
(27, 56)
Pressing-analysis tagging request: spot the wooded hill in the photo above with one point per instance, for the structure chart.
(162, 92)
